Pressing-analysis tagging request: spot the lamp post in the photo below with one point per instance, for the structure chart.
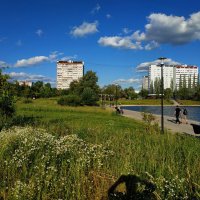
(162, 91)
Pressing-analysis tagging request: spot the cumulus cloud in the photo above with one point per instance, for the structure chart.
(173, 30)
(53, 57)
(21, 76)
(145, 65)
(84, 29)
(119, 42)
(31, 61)
(160, 29)
(39, 32)
(96, 9)
(127, 81)
(126, 30)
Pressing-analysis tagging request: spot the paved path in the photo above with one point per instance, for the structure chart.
(169, 123)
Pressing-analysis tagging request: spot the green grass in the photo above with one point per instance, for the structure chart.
(189, 102)
(94, 147)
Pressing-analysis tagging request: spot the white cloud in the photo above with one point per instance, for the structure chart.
(53, 57)
(145, 66)
(108, 16)
(31, 61)
(161, 29)
(4, 65)
(21, 76)
(119, 42)
(96, 9)
(127, 81)
(39, 32)
(84, 29)
(173, 30)
(126, 30)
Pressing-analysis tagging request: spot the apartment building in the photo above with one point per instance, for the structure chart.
(187, 75)
(145, 82)
(174, 75)
(168, 75)
(68, 71)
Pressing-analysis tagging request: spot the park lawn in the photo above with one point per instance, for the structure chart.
(144, 102)
(125, 146)
(189, 102)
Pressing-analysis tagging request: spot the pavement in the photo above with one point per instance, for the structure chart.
(169, 123)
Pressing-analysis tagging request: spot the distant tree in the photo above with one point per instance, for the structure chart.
(157, 86)
(151, 88)
(168, 93)
(86, 86)
(143, 93)
(130, 93)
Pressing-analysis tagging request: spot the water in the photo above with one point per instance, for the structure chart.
(193, 111)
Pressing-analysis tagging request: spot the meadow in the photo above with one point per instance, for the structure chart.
(61, 152)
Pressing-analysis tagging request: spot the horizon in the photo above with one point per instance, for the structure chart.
(115, 39)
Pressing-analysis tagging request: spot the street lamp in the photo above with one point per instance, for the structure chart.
(162, 91)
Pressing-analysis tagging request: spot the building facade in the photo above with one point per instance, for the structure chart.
(68, 71)
(145, 82)
(174, 76)
(187, 75)
(168, 75)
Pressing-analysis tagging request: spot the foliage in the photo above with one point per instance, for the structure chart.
(70, 100)
(86, 88)
(37, 165)
(7, 107)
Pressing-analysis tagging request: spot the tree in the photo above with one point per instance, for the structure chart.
(7, 107)
(143, 93)
(130, 93)
(168, 93)
(86, 86)
(157, 87)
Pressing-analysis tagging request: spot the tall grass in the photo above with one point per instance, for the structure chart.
(79, 152)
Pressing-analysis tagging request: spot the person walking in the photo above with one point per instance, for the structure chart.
(185, 113)
(177, 114)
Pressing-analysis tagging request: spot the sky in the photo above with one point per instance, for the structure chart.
(117, 39)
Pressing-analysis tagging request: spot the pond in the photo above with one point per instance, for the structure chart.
(193, 111)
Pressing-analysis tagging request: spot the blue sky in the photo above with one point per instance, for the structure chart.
(117, 39)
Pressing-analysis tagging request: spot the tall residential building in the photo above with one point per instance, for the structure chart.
(187, 75)
(145, 82)
(174, 75)
(68, 71)
(168, 75)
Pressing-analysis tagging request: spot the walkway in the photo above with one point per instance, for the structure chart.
(169, 123)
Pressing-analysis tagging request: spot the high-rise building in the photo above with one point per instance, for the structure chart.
(187, 75)
(68, 71)
(169, 77)
(174, 75)
(145, 82)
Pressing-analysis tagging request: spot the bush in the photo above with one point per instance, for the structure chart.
(70, 100)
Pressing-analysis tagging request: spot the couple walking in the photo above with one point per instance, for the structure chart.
(180, 113)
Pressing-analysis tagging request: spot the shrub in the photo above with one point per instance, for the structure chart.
(70, 100)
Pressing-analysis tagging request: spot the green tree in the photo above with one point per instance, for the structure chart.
(7, 107)
(143, 93)
(168, 93)
(130, 93)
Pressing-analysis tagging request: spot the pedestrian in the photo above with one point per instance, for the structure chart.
(177, 113)
(185, 113)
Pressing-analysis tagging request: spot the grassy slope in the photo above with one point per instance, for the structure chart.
(135, 150)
